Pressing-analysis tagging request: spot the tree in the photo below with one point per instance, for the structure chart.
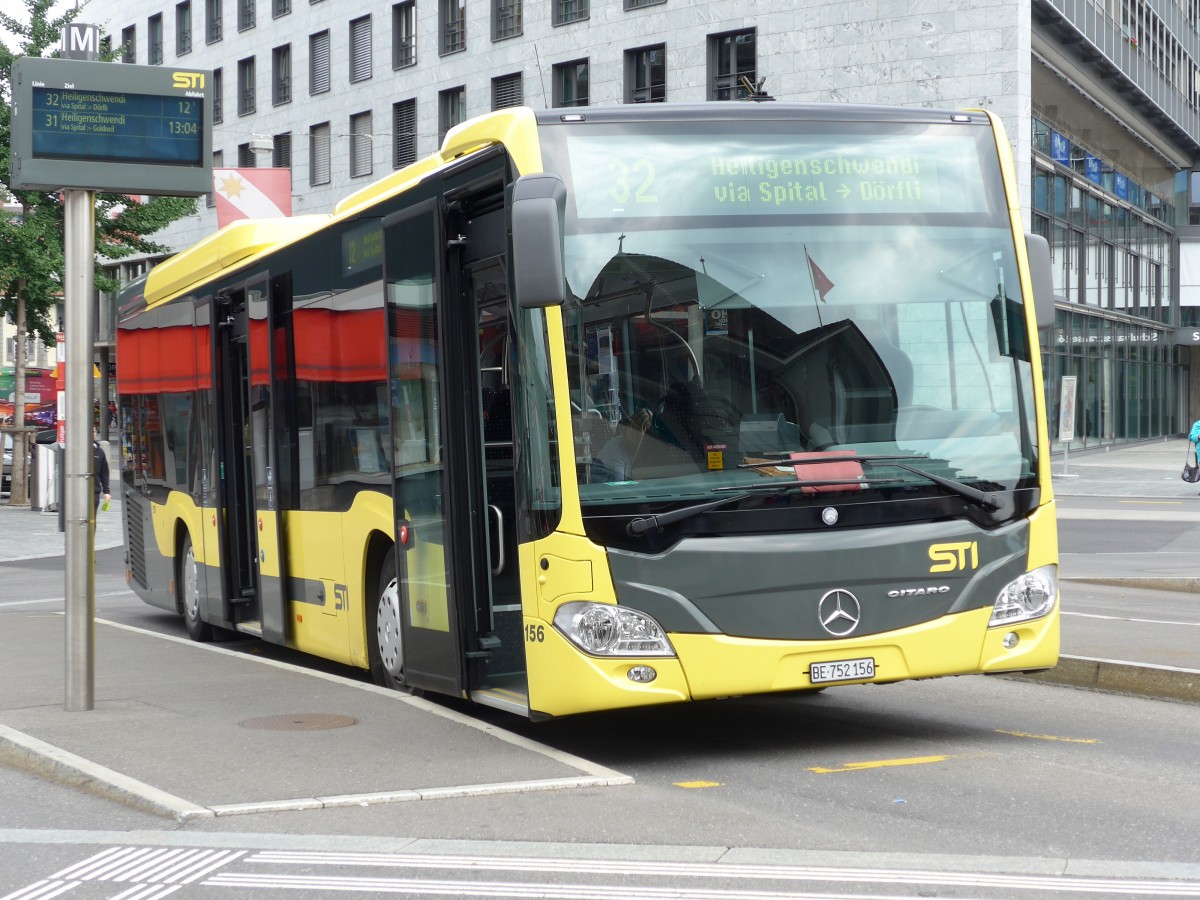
(31, 245)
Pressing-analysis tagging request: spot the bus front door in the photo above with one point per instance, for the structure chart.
(447, 521)
(252, 561)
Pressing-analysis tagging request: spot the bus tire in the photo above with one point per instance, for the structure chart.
(187, 592)
(383, 627)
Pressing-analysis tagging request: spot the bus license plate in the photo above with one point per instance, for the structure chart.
(842, 670)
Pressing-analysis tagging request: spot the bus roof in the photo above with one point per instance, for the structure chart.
(741, 110)
(510, 127)
(235, 243)
(242, 241)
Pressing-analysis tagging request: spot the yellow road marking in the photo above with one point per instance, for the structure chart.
(1049, 737)
(697, 784)
(881, 764)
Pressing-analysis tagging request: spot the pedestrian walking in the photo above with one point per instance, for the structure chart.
(100, 476)
(1191, 465)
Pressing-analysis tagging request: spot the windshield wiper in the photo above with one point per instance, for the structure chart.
(642, 524)
(983, 498)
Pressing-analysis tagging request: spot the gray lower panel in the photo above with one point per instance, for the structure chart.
(772, 586)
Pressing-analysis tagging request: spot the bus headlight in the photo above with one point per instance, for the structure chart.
(602, 629)
(1030, 596)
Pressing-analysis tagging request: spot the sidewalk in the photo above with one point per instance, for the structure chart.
(29, 534)
(174, 716)
(1149, 470)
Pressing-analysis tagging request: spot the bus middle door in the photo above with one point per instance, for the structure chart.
(251, 533)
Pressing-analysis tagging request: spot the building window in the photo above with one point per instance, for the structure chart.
(281, 155)
(129, 44)
(281, 75)
(452, 109)
(506, 19)
(360, 49)
(507, 91)
(318, 62)
(245, 14)
(281, 8)
(246, 158)
(183, 28)
(246, 98)
(154, 39)
(360, 144)
(404, 133)
(646, 74)
(218, 92)
(318, 154)
(212, 21)
(453, 26)
(567, 11)
(638, 4)
(106, 47)
(404, 34)
(218, 163)
(730, 60)
(571, 83)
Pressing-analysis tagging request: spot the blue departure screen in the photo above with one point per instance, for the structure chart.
(117, 127)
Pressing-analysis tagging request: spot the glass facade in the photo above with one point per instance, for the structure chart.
(1127, 379)
(1113, 253)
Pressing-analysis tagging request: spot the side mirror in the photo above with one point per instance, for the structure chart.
(538, 206)
(1038, 251)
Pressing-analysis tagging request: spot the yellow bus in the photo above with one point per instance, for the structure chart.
(609, 407)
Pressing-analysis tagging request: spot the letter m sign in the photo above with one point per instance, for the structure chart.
(81, 41)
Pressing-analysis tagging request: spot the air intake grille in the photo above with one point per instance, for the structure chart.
(135, 542)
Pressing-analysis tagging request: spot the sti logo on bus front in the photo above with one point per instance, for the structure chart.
(954, 557)
(188, 81)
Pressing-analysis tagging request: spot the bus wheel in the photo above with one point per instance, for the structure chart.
(187, 591)
(383, 629)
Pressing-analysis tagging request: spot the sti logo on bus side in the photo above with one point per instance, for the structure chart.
(188, 81)
(954, 557)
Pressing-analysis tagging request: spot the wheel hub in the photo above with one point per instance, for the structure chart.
(388, 630)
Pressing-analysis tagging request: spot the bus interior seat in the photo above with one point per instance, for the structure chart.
(657, 458)
(694, 420)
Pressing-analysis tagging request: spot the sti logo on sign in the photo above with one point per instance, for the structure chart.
(188, 81)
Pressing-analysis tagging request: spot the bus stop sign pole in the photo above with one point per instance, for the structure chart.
(79, 263)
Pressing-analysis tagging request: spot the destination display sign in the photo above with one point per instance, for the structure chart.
(702, 175)
(110, 127)
(145, 128)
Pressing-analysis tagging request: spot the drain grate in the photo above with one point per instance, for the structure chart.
(299, 722)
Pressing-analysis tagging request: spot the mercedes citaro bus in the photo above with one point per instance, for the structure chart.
(608, 407)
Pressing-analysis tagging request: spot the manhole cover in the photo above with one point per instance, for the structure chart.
(299, 722)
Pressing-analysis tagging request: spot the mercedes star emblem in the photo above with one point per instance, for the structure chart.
(839, 612)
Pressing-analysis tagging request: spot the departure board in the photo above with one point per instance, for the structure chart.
(142, 128)
(110, 127)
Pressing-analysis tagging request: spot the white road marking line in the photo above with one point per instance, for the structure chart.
(125, 593)
(1129, 619)
(677, 870)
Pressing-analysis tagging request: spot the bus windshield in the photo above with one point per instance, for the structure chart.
(831, 307)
